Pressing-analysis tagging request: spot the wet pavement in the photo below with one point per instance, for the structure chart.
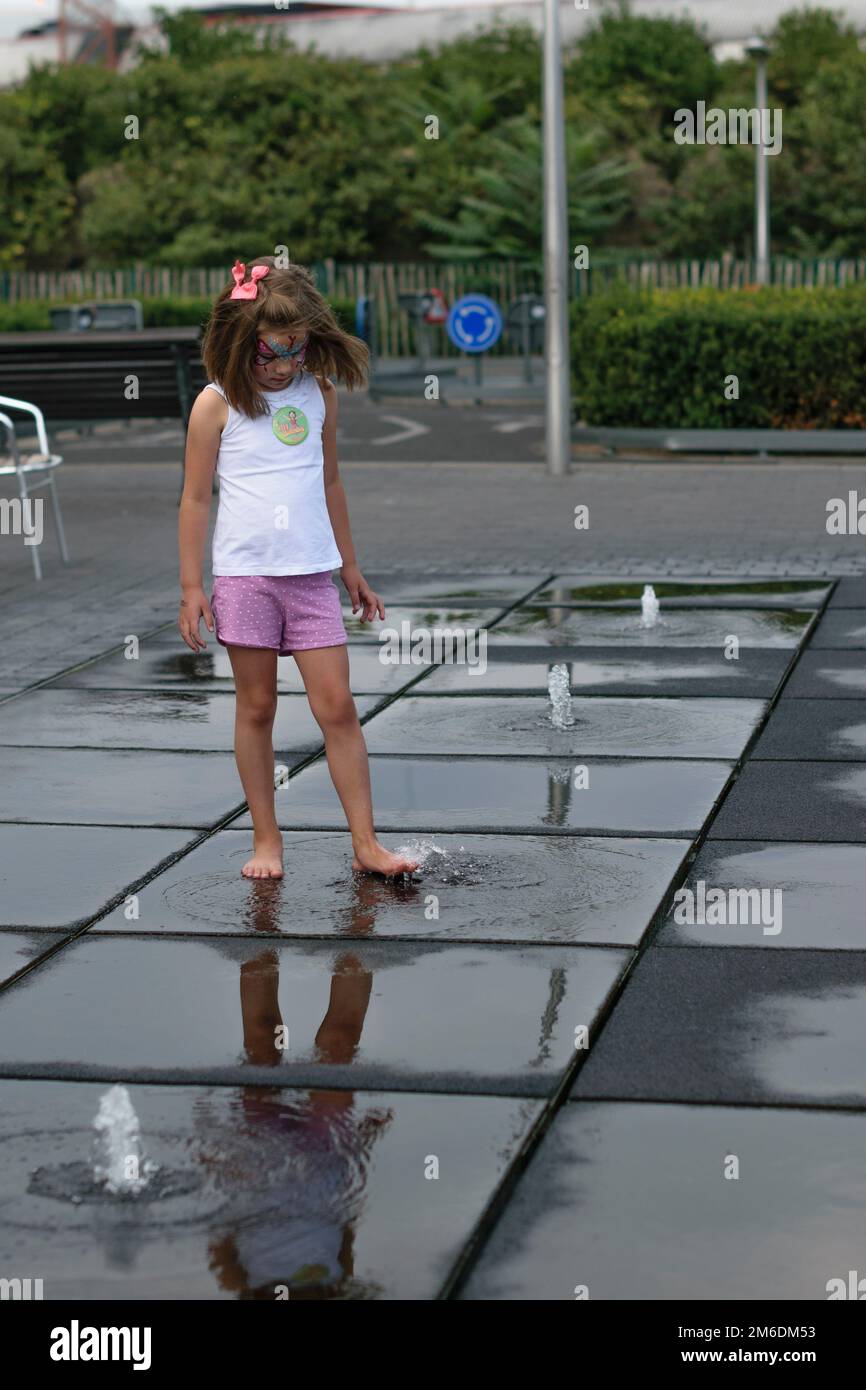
(634, 948)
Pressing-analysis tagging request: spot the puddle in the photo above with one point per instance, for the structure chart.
(145, 787)
(564, 627)
(89, 865)
(599, 726)
(161, 667)
(426, 617)
(633, 671)
(167, 720)
(499, 887)
(773, 593)
(321, 1194)
(489, 794)
(454, 591)
(210, 1008)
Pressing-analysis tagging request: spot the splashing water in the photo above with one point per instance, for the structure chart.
(559, 690)
(457, 866)
(422, 850)
(649, 607)
(120, 1164)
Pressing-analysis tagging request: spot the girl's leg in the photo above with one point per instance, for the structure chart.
(255, 672)
(325, 673)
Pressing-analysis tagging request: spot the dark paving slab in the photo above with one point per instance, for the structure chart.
(820, 904)
(447, 1018)
(676, 627)
(632, 1202)
(18, 949)
(420, 617)
(59, 875)
(325, 1192)
(486, 888)
(827, 675)
(589, 590)
(850, 593)
(732, 1025)
(168, 666)
(702, 671)
(834, 729)
(624, 728)
(795, 801)
(84, 787)
(174, 721)
(841, 630)
(485, 794)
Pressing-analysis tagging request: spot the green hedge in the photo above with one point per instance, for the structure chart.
(658, 359)
(31, 315)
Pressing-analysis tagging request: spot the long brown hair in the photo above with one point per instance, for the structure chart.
(287, 296)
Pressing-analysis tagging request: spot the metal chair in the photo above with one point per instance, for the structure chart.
(28, 466)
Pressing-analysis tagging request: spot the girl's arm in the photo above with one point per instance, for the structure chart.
(358, 589)
(206, 422)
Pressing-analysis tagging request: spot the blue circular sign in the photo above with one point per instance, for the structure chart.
(474, 323)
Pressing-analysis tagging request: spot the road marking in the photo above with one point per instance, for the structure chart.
(529, 422)
(410, 429)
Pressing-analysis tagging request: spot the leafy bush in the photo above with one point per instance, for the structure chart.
(660, 359)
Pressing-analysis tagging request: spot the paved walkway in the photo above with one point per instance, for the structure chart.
(530, 1073)
(432, 1026)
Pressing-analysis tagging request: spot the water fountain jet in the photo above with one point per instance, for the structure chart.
(649, 607)
(559, 690)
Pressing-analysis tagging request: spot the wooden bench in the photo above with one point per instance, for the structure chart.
(81, 378)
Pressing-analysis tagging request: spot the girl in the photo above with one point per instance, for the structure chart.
(267, 420)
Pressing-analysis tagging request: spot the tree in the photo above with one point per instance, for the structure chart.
(503, 217)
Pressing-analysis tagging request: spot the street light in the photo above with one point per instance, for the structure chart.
(558, 387)
(758, 49)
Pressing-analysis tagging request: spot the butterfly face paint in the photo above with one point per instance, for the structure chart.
(269, 350)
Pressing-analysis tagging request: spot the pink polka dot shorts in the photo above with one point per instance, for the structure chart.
(288, 613)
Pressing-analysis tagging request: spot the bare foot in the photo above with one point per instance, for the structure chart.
(267, 860)
(375, 859)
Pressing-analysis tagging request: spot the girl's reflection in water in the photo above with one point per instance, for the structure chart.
(295, 1162)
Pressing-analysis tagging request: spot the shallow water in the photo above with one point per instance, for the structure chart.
(756, 593)
(322, 1192)
(600, 726)
(684, 627)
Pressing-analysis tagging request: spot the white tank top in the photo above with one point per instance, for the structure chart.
(272, 516)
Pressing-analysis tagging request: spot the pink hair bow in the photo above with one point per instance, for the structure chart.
(250, 289)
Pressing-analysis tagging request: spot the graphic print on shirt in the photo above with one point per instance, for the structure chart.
(290, 425)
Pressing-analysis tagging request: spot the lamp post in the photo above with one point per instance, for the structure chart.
(558, 384)
(758, 49)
